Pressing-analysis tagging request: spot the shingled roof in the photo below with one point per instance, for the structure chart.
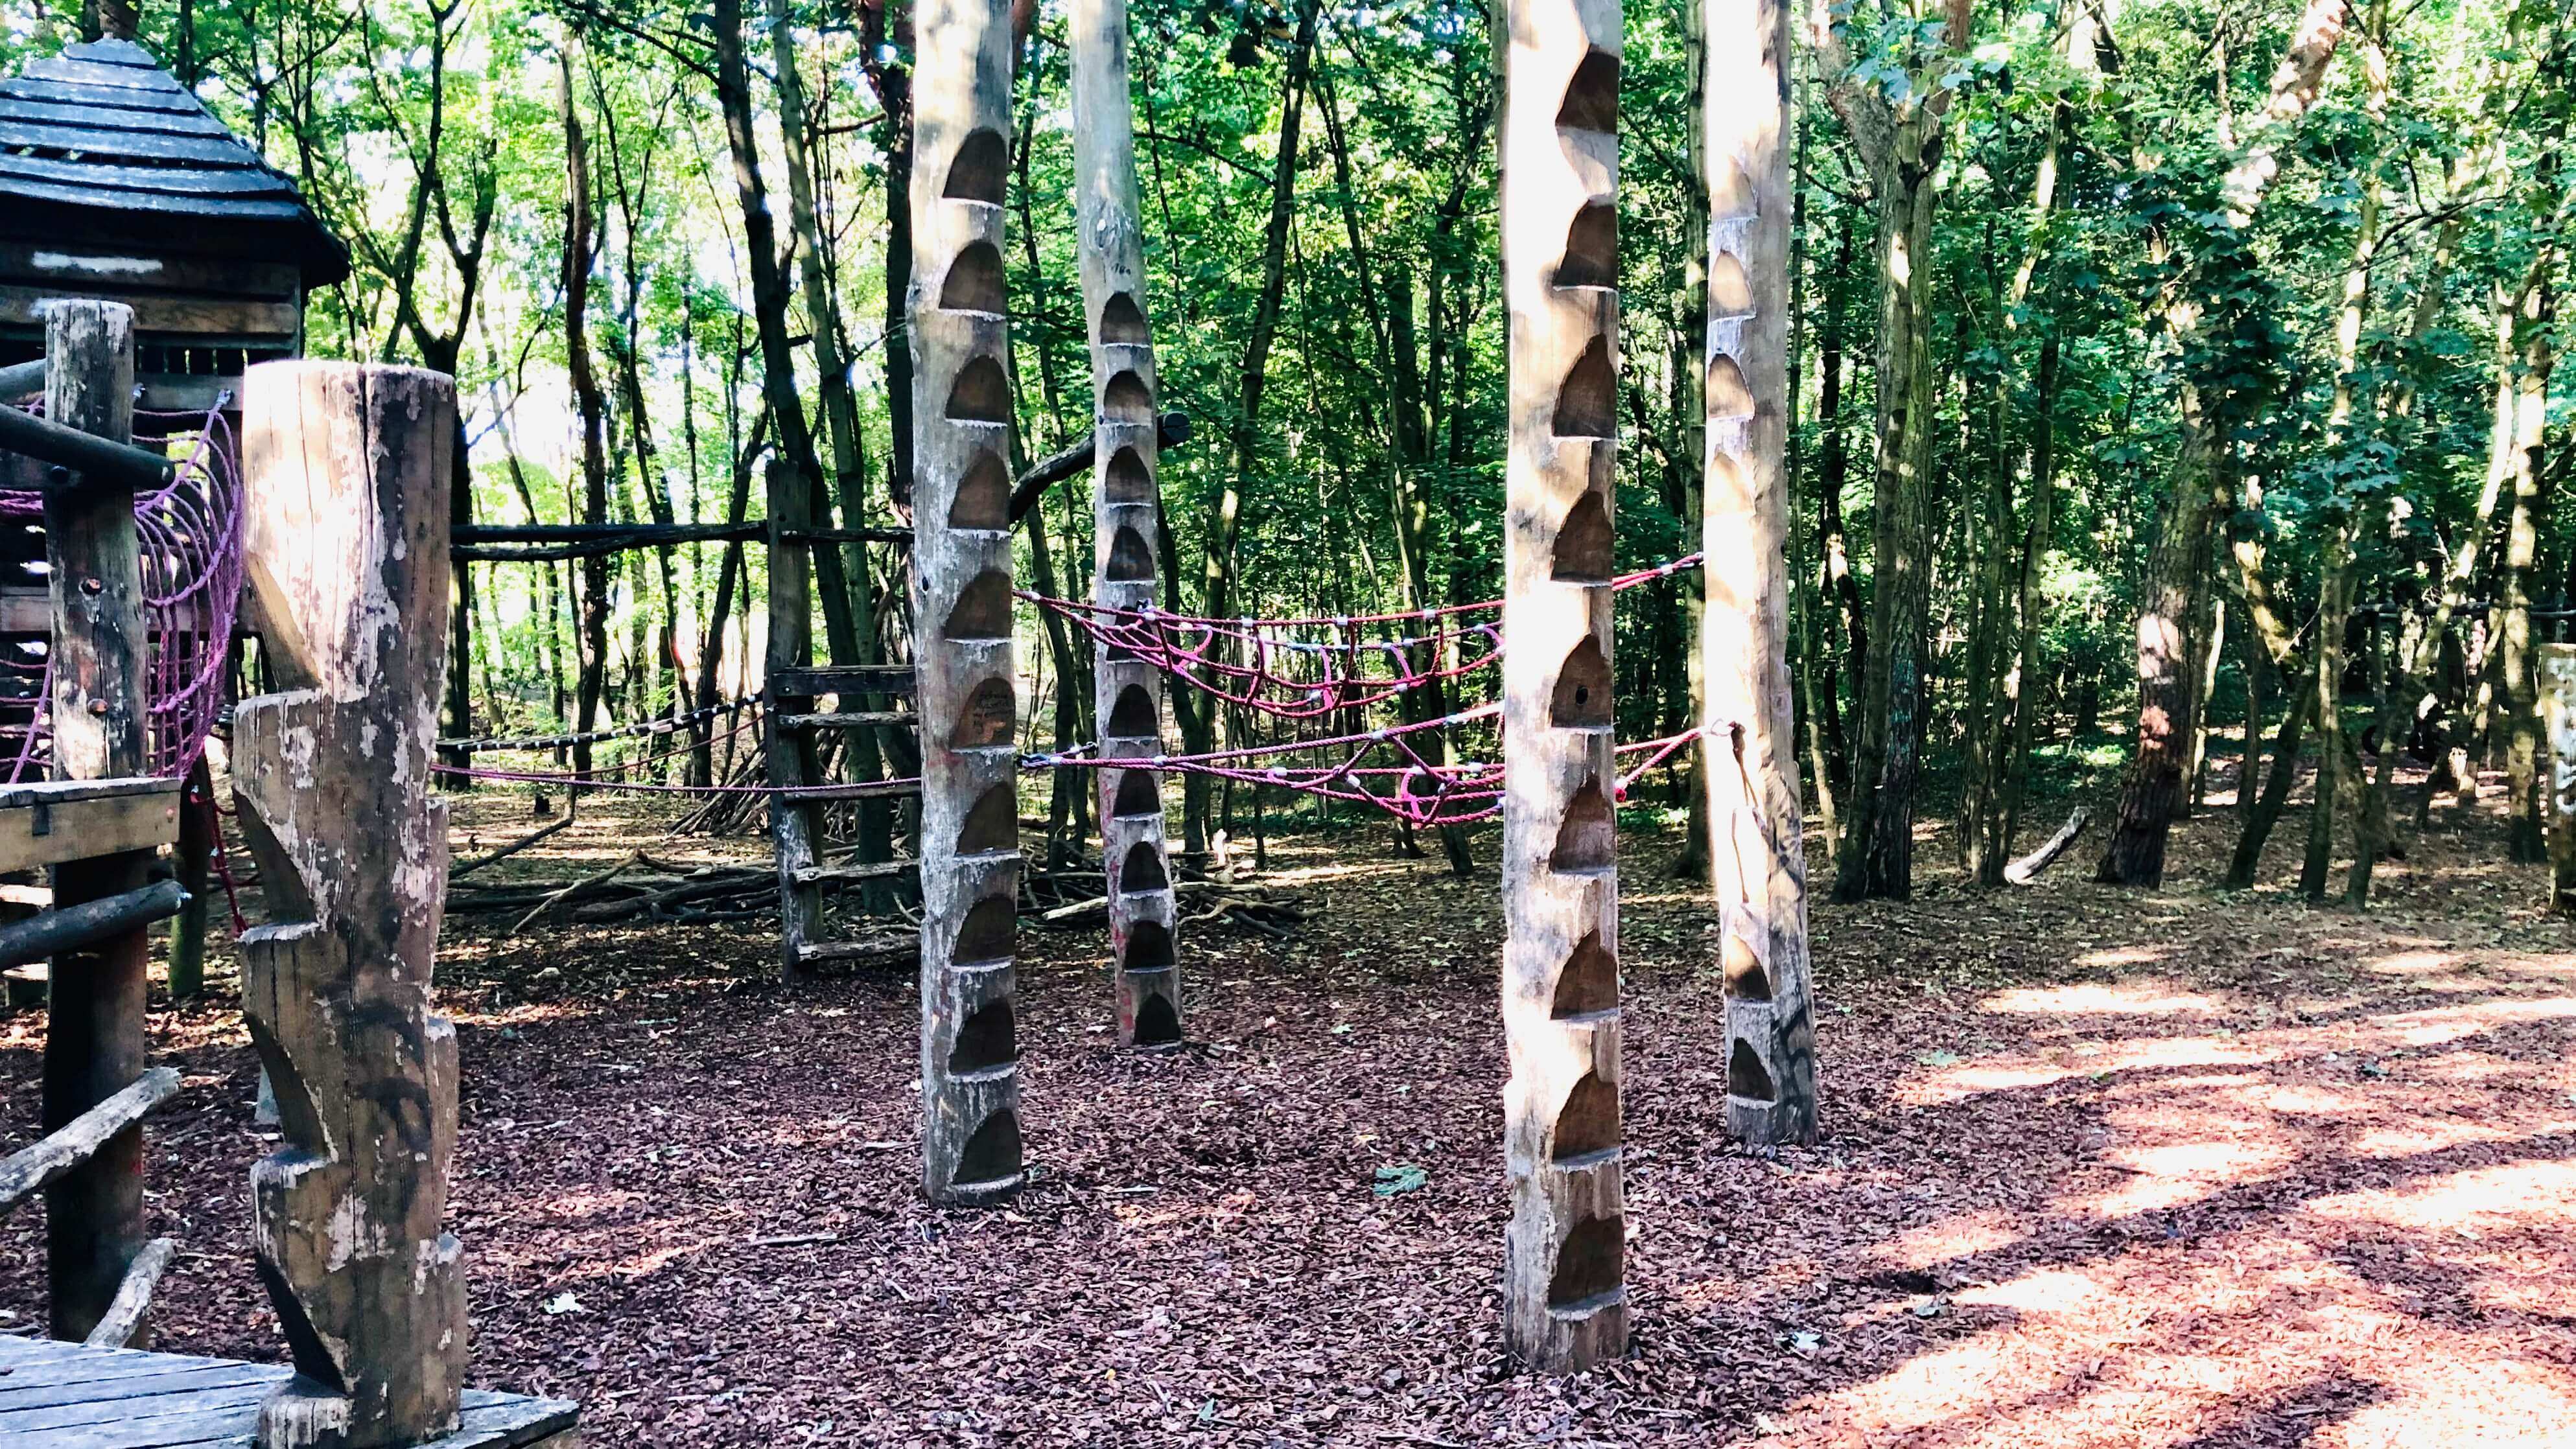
(104, 129)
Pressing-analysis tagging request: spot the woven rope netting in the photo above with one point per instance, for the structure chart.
(188, 540)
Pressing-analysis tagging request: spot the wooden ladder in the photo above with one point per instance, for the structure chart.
(860, 694)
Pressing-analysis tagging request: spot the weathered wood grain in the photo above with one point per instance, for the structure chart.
(94, 1035)
(39, 1164)
(1758, 860)
(69, 1396)
(220, 316)
(52, 822)
(1565, 1303)
(1126, 503)
(124, 1317)
(961, 606)
(345, 539)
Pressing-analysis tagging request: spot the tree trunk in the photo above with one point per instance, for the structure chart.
(590, 407)
(1759, 859)
(2334, 612)
(2534, 315)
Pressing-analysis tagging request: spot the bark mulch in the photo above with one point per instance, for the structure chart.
(2099, 1168)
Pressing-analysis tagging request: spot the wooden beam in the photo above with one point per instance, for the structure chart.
(1759, 861)
(1170, 431)
(94, 1038)
(345, 542)
(2557, 676)
(22, 378)
(75, 1142)
(69, 928)
(54, 822)
(226, 316)
(1565, 1298)
(788, 753)
(1124, 457)
(124, 1320)
(97, 460)
(961, 603)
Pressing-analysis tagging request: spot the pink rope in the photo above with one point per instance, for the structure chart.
(188, 537)
(1258, 664)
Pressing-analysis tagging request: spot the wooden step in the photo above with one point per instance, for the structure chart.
(852, 790)
(852, 870)
(53, 821)
(805, 683)
(31, 1168)
(892, 946)
(850, 720)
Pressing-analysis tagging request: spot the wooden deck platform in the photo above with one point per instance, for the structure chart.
(65, 1396)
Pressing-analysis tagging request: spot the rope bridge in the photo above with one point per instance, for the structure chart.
(188, 537)
(1266, 666)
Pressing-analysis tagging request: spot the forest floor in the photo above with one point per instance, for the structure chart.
(2099, 1168)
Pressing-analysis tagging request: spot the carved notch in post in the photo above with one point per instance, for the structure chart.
(1565, 1300)
(1757, 860)
(970, 1085)
(94, 1036)
(1126, 508)
(346, 544)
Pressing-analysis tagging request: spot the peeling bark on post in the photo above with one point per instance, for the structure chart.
(1127, 509)
(962, 606)
(1565, 1300)
(1759, 860)
(346, 542)
(94, 1036)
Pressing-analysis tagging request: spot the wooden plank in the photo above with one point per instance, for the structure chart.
(39, 831)
(76, 265)
(165, 314)
(243, 1393)
(131, 145)
(851, 720)
(805, 683)
(111, 118)
(77, 93)
(107, 77)
(246, 181)
(43, 1394)
(31, 611)
(79, 1140)
(230, 208)
(852, 871)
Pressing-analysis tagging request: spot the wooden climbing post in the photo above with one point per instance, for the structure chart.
(1757, 858)
(2558, 718)
(1126, 503)
(962, 605)
(345, 540)
(1565, 1301)
(789, 752)
(94, 1034)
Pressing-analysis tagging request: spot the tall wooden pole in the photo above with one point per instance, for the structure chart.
(1759, 863)
(94, 1037)
(961, 604)
(1126, 505)
(345, 536)
(1565, 1301)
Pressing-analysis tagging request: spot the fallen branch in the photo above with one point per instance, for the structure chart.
(2027, 869)
(505, 852)
(603, 878)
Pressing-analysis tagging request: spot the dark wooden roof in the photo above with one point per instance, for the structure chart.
(103, 129)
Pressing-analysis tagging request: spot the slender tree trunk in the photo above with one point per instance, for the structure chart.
(2334, 612)
(2534, 315)
(590, 407)
(1198, 718)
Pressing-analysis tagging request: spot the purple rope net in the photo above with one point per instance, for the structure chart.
(188, 540)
